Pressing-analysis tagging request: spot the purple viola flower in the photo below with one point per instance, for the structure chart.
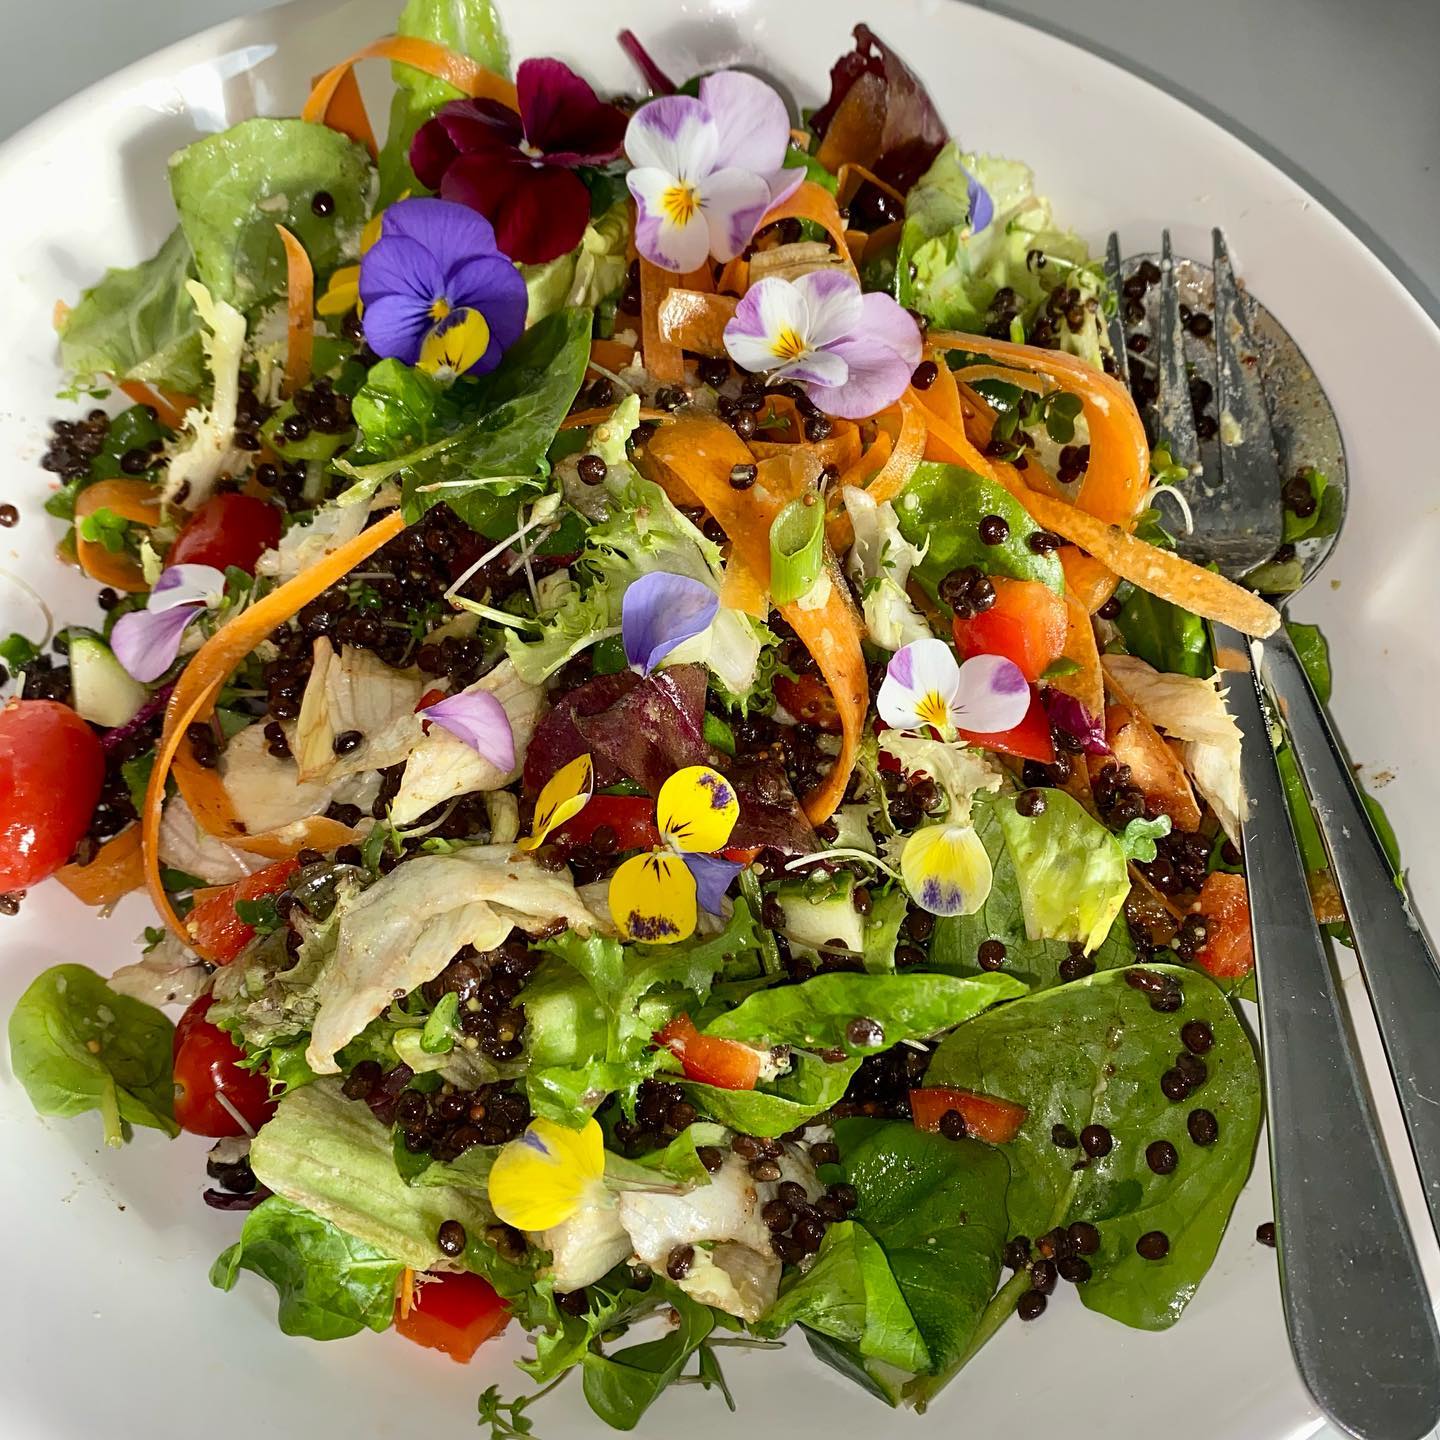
(982, 207)
(518, 170)
(479, 719)
(924, 685)
(706, 170)
(854, 353)
(147, 641)
(437, 292)
(660, 612)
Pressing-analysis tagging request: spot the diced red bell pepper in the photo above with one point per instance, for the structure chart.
(1030, 739)
(808, 699)
(455, 1313)
(986, 1117)
(1026, 624)
(219, 933)
(726, 1064)
(1224, 901)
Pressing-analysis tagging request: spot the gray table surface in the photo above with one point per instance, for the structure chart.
(1343, 96)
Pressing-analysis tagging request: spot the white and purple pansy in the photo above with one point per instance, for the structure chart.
(854, 353)
(147, 641)
(707, 169)
(660, 612)
(479, 719)
(925, 685)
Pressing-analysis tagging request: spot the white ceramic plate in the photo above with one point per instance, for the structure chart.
(109, 1324)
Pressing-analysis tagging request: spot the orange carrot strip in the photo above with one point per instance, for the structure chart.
(116, 870)
(299, 313)
(134, 500)
(815, 202)
(857, 129)
(583, 419)
(950, 444)
(169, 405)
(690, 320)
(850, 177)
(901, 456)
(1087, 684)
(612, 354)
(703, 450)
(194, 695)
(456, 70)
(346, 112)
(734, 277)
(742, 588)
(943, 396)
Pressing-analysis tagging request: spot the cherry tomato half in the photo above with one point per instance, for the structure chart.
(219, 933)
(227, 530)
(455, 1313)
(206, 1067)
(51, 770)
(986, 1117)
(809, 700)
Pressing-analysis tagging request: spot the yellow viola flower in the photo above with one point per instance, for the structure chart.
(342, 294)
(657, 897)
(946, 869)
(566, 794)
(549, 1173)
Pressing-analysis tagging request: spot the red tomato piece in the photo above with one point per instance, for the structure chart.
(218, 931)
(1030, 739)
(1026, 624)
(456, 1313)
(987, 1117)
(726, 1064)
(227, 530)
(51, 770)
(206, 1067)
(1228, 952)
(809, 700)
(631, 817)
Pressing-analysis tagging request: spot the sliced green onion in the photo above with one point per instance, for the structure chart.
(797, 549)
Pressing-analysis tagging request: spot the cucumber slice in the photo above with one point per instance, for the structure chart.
(818, 916)
(103, 691)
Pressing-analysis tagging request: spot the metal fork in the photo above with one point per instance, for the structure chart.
(1359, 1316)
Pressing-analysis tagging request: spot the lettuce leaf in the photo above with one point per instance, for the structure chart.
(1070, 869)
(952, 276)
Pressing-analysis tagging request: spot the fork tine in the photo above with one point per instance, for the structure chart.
(1116, 323)
(1247, 442)
(1174, 413)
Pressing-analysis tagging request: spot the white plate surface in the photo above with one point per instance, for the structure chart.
(110, 1326)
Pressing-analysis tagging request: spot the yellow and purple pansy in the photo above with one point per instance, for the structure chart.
(660, 612)
(550, 1172)
(946, 869)
(925, 685)
(342, 294)
(565, 794)
(656, 897)
(854, 353)
(438, 293)
(147, 641)
(706, 169)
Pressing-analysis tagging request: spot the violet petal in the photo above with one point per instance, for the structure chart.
(753, 124)
(185, 585)
(661, 611)
(479, 719)
(992, 695)
(712, 879)
(146, 642)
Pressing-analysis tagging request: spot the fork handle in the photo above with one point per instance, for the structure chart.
(1359, 1318)
(1400, 968)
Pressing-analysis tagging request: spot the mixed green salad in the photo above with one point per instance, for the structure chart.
(677, 821)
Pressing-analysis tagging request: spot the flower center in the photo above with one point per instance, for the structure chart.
(789, 344)
(439, 308)
(680, 203)
(934, 710)
(529, 151)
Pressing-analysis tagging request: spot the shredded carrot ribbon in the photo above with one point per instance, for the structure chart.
(169, 405)
(299, 313)
(1087, 683)
(612, 354)
(584, 419)
(135, 500)
(815, 202)
(701, 451)
(459, 71)
(116, 870)
(193, 698)
(346, 112)
(663, 357)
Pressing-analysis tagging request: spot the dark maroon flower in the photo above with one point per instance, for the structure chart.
(517, 170)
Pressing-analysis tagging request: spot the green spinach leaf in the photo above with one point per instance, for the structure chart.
(817, 1014)
(809, 1087)
(1163, 634)
(330, 1284)
(398, 409)
(78, 1045)
(139, 324)
(232, 189)
(1092, 1053)
(943, 504)
(622, 1385)
(1314, 652)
